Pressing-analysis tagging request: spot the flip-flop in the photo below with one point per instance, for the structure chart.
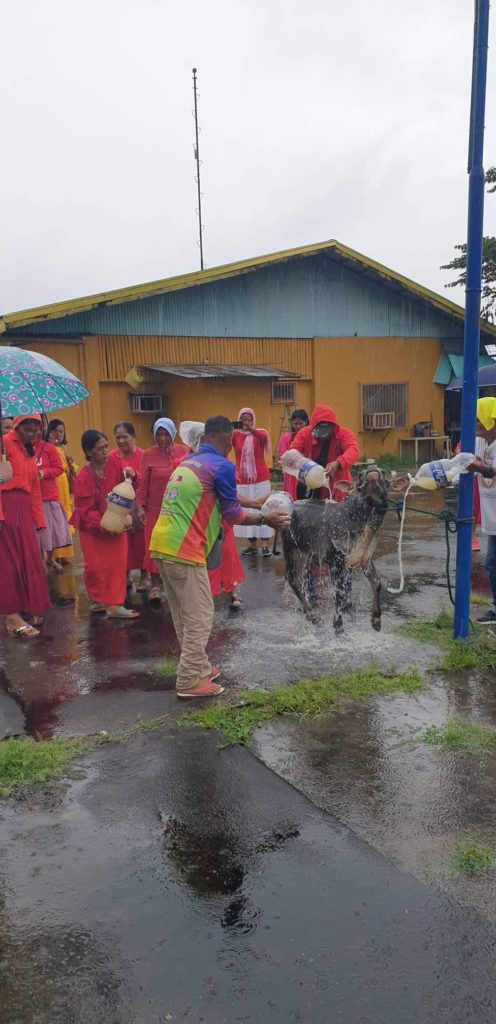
(26, 630)
(155, 597)
(142, 588)
(123, 613)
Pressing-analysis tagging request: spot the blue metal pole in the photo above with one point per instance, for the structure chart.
(472, 311)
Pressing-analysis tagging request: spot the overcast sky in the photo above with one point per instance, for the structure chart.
(320, 119)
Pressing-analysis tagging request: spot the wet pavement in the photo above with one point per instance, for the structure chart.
(171, 878)
(84, 674)
(180, 883)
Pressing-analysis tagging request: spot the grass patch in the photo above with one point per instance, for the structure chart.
(480, 599)
(168, 665)
(308, 698)
(388, 462)
(459, 735)
(24, 762)
(438, 630)
(472, 859)
(478, 652)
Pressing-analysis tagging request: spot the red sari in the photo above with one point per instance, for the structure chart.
(117, 463)
(23, 586)
(157, 465)
(105, 554)
(229, 574)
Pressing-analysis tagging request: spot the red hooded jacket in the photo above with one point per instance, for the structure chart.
(343, 447)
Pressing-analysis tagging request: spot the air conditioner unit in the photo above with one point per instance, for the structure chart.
(378, 420)
(146, 403)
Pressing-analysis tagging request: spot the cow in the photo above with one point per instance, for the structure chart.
(341, 535)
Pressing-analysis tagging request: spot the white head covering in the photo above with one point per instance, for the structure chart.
(190, 432)
(166, 424)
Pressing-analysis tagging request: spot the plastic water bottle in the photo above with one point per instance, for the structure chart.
(278, 501)
(117, 515)
(305, 470)
(441, 472)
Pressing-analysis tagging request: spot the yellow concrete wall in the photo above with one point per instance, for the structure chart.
(197, 400)
(341, 365)
(336, 366)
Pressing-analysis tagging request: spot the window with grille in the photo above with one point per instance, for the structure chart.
(283, 391)
(146, 403)
(384, 406)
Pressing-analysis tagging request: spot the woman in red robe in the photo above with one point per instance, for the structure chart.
(23, 586)
(56, 533)
(126, 460)
(251, 447)
(105, 554)
(157, 465)
(298, 420)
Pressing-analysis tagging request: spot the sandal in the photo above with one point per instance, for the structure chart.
(123, 613)
(235, 601)
(96, 608)
(266, 552)
(142, 587)
(203, 688)
(155, 597)
(25, 630)
(249, 551)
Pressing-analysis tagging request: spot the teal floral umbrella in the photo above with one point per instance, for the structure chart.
(30, 382)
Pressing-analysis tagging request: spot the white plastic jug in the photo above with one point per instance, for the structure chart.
(278, 501)
(305, 470)
(117, 515)
(433, 475)
(190, 432)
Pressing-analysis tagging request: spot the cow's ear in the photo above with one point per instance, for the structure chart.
(398, 483)
(344, 486)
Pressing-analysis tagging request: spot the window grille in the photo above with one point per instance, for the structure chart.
(283, 392)
(384, 406)
(146, 403)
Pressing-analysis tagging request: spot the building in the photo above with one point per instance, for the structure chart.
(318, 323)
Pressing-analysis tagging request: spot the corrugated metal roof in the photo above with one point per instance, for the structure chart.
(351, 257)
(207, 372)
(450, 366)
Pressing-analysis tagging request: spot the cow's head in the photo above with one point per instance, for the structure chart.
(372, 484)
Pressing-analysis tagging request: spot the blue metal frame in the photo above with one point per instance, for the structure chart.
(472, 311)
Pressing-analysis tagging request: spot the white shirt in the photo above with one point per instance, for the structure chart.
(487, 488)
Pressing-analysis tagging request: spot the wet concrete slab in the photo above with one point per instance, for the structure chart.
(369, 766)
(177, 882)
(86, 675)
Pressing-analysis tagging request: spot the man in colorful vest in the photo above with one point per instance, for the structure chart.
(201, 490)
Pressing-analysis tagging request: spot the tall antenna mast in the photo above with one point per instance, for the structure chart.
(198, 162)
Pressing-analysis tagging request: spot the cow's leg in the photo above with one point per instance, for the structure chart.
(298, 566)
(372, 575)
(339, 579)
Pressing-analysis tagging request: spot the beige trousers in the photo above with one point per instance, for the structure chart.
(187, 589)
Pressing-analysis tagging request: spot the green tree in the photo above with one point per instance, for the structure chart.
(459, 263)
